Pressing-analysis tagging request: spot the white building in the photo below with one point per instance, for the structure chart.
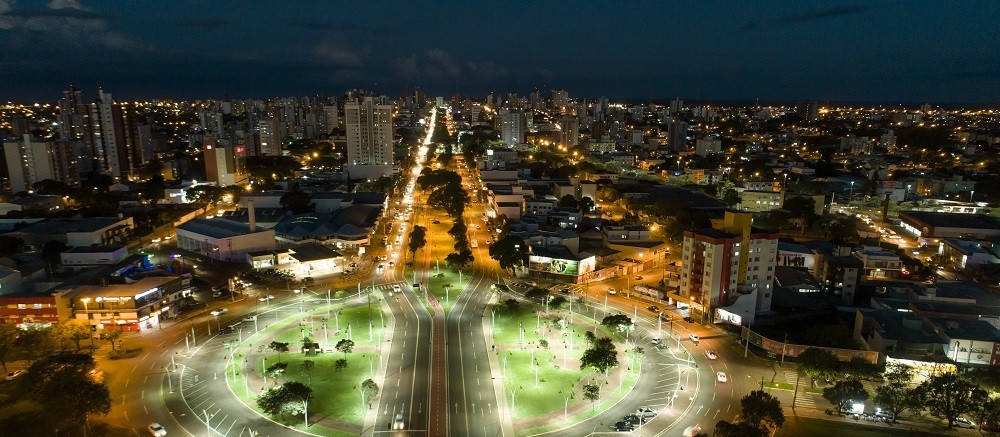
(707, 146)
(32, 161)
(224, 239)
(512, 126)
(368, 122)
(79, 258)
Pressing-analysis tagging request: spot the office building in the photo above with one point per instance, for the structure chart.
(368, 122)
(30, 161)
(728, 271)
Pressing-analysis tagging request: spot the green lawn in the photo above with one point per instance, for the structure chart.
(446, 295)
(335, 394)
(805, 426)
(554, 384)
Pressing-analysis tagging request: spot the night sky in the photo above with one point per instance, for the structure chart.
(905, 51)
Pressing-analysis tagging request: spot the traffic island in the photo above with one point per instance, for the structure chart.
(330, 349)
(539, 356)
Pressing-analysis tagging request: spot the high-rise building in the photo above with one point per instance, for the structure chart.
(331, 118)
(707, 146)
(512, 126)
(676, 106)
(536, 102)
(268, 139)
(31, 161)
(728, 272)
(115, 137)
(560, 99)
(368, 122)
(677, 135)
(73, 116)
(569, 131)
(225, 165)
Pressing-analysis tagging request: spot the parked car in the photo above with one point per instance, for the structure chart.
(634, 419)
(654, 308)
(962, 422)
(622, 425)
(646, 412)
(156, 430)
(14, 374)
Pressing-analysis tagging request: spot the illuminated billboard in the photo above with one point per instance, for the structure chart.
(561, 266)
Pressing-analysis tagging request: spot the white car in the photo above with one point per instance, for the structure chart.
(711, 355)
(14, 374)
(219, 311)
(962, 422)
(156, 240)
(156, 430)
(612, 291)
(249, 318)
(721, 377)
(397, 423)
(266, 298)
(396, 288)
(378, 271)
(646, 412)
(694, 338)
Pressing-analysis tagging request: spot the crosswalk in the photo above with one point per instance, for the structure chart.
(390, 287)
(803, 399)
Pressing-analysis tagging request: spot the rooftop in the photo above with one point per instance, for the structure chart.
(217, 228)
(70, 225)
(953, 220)
(313, 252)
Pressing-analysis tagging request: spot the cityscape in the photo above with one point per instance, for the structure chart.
(419, 224)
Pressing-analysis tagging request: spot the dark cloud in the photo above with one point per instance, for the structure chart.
(206, 22)
(824, 13)
(78, 14)
(343, 27)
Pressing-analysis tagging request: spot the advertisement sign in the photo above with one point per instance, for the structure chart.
(557, 266)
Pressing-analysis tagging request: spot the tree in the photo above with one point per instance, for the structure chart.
(51, 250)
(760, 407)
(112, 334)
(369, 388)
(35, 343)
(839, 227)
(511, 304)
(276, 369)
(601, 355)
(801, 207)
(418, 239)
(896, 397)
(11, 245)
(345, 346)
(818, 364)
(8, 341)
(949, 395)
(618, 322)
(460, 259)
(278, 347)
(67, 388)
(537, 293)
(289, 398)
(340, 365)
(568, 201)
(74, 330)
(592, 392)
(731, 197)
(586, 204)
(511, 252)
(850, 390)
(203, 194)
(725, 428)
(298, 202)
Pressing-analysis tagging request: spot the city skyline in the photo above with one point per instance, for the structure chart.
(782, 51)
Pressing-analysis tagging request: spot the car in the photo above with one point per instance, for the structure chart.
(14, 374)
(436, 221)
(638, 278)
(692, 431)
(397, 422)
(168, 237)
(646, 412)
(612, 291)
(218, 288)
(227, 330)
(156, 240)
(378, 270)
(653, 308)
(353, 265)
(307, 279)
(711, 355)
(564, 290)
(622, 425)
(694, 338)
(634, 419)
(396, 288)
(962, 422)
(219, 311)
(250, 318)
(266, 298)
(655, 341)
(392, 263)
(688, 319)
(721, 377)
(156, 430)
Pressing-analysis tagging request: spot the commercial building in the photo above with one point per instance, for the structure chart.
(223, 239)
(225, 166)
(761, 201)
(133, 307)
(80, 232)
(929, 227)
(728, 273)
(31, 161)
(83, 257)
(368, 122)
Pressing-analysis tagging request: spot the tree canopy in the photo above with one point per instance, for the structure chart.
(511, 252)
